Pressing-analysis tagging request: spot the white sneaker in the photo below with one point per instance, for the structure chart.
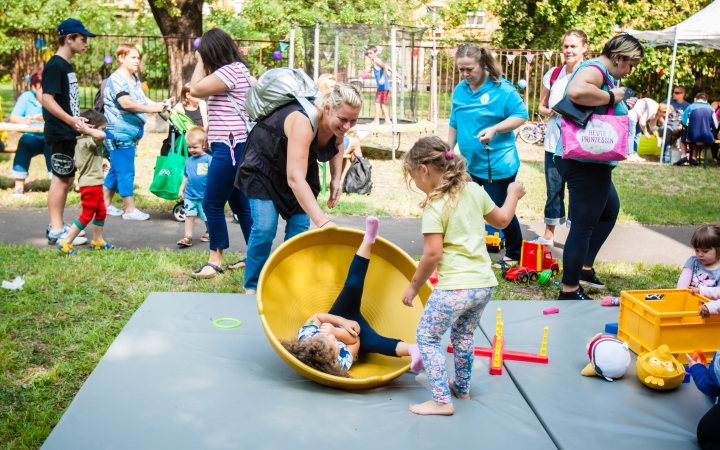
(136, 215)
(113, 211)
(543, 241)
(82, 232)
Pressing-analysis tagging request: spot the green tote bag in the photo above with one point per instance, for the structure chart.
(169, 171)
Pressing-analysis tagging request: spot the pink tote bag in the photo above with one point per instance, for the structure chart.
(605, 138)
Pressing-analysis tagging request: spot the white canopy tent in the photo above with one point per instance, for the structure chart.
(700, 29)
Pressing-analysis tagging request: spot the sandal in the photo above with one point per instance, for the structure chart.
(236, 265)
(218, 270)
(186, 241)
(205, 237)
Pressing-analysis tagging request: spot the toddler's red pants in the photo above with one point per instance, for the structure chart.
(93, 207)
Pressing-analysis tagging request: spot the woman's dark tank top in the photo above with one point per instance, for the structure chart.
(262, 173)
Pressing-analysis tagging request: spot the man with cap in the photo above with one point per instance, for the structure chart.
(61, 111)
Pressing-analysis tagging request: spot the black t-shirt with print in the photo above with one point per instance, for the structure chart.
(58, 77)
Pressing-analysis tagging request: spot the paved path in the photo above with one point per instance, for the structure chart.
(631, 243)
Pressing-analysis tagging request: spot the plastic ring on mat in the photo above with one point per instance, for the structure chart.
(235, 323)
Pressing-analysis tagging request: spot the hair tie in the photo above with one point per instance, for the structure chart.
(448, 155)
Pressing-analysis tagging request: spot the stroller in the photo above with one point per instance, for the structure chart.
(169, 166)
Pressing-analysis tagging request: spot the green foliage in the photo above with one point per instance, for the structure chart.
(46, 15)
(541, 24)
(271, 19)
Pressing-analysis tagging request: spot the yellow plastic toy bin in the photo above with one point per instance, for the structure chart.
(673, 320)
(304, 276)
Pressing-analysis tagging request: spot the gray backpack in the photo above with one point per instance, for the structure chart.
(278, 87)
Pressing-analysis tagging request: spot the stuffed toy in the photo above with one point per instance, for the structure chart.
(659, 369)
(609, 358)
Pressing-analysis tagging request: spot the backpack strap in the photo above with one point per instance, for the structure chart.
(556, 73)
(311, 112)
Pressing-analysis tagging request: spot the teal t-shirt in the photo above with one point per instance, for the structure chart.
(473, 112)
(620, 108)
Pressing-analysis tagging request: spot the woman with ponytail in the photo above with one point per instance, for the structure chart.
(455, 245)
(485, 110)
(279, 174)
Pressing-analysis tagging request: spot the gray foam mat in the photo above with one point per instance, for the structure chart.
(171, 380)
(589, 412)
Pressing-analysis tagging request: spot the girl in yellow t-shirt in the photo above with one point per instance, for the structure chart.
(452, 226)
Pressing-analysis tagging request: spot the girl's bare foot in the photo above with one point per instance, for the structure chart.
(431, 407)
(455, 391)
(250, 291)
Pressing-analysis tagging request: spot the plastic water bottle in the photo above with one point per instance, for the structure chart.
(667, 154)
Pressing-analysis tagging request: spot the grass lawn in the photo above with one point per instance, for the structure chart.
(54, 332)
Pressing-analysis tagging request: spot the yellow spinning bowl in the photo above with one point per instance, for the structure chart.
(304, 276)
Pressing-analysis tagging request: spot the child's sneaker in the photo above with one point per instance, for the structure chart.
(102, 245)
(64, 247)
(113, 211)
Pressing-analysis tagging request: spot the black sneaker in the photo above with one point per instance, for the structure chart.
(574, 295)
(693, 162)
(588, 278)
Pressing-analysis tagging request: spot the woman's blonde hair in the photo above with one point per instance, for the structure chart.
(341, 93)
(317, 354)
(623, 46)
(326, 81)
(436, 153)
(663, 107)
(483, 57)
(124, 49)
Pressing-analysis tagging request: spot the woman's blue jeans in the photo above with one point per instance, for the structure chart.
(555, 188)
(497, 190)
(220, 189)
(264, 229)
(30, 145)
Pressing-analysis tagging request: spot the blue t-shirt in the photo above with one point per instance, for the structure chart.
(620, 108)
(196, 171)
(123, 126)
(473, 112)
(27, 106)
(678, 108)
(344, 358)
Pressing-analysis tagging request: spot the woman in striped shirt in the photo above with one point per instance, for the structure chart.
(221, 76)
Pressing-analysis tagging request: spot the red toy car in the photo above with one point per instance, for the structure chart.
(519, 273)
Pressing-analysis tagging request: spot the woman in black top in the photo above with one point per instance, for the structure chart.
(278, 171)
(194, 108)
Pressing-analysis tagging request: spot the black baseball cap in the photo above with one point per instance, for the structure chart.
(69, 26)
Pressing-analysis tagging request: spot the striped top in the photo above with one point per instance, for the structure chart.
(223, 118)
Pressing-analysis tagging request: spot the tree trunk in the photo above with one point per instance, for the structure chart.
(184, 18)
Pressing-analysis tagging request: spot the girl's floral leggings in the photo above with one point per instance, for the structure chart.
(459, 310)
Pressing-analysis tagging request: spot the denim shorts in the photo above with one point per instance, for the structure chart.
(194, 208)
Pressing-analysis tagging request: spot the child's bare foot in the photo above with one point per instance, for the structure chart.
(431, 407)
(250, 291)
(455, 391)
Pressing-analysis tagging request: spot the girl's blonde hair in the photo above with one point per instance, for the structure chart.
(326, 81)
(436, 153)
(124, 49)
(662, 108)
(707, 236)
(483, 57)
(195, 134)
(315, 353)
(338, 95)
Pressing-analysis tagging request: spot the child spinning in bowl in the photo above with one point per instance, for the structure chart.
(454, 242)
(331, 342)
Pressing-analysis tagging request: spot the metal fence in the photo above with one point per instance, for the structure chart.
(98, 62)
